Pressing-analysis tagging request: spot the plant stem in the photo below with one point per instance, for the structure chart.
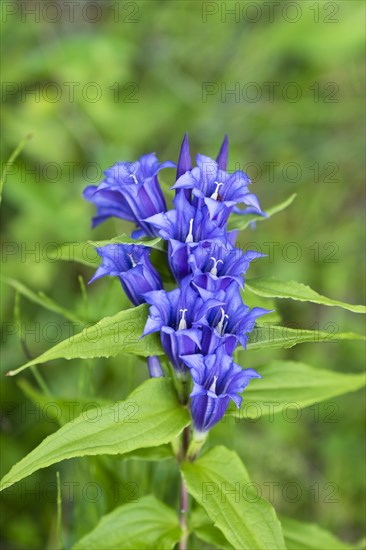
(184, 493)
(183, 515)
(59, 512)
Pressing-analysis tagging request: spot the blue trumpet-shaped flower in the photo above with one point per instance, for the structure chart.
(217, 379)
(186, 223)
(131, 191)
(174, 314)
(232, 317)
(219, 260)
(185, 227)
(132, 265)
(219, 190)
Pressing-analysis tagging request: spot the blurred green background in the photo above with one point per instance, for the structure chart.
(99, 82)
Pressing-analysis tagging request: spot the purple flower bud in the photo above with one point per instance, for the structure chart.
(154, 366)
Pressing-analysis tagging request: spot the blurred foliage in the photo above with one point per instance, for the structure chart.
(150, 62)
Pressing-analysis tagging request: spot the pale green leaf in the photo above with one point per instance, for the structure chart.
(291, 385)
(147, 524)
(272, 288)
(276, 337)
(109, 337)
(220, 483)
(242, 221)
(149, 417)
(309, 536)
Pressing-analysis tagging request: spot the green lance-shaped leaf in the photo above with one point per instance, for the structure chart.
(85, 252)
(219, 482)
(65, 409)
(275, 337)
(309, 536)
(287, 385)
(242, 221)
(121, 334)
(147, 524)
(272, 288)
(149, 417)
(109, 337)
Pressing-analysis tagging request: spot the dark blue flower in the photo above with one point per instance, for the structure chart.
(132, 265)
(185, 227)
(217, 379)
(219, 260)
(131, 191)
(174, 314)
(232, 317)
(218, 189)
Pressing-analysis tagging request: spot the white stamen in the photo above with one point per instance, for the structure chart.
(221, 325)
(213, 385)
(182, 323)
(189, 238)
(134, 178)
(215, 194)
(134, 264)
(213, 270)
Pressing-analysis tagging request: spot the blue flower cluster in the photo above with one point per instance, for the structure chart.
(203, 319)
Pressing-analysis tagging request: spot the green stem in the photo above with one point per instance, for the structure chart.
(59, 512)
(184, 493)
(183, 515)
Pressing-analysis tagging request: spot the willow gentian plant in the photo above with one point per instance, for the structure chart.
(203, 319)
(187, 281)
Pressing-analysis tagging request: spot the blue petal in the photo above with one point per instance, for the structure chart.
(184, 161)
(222, 157)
